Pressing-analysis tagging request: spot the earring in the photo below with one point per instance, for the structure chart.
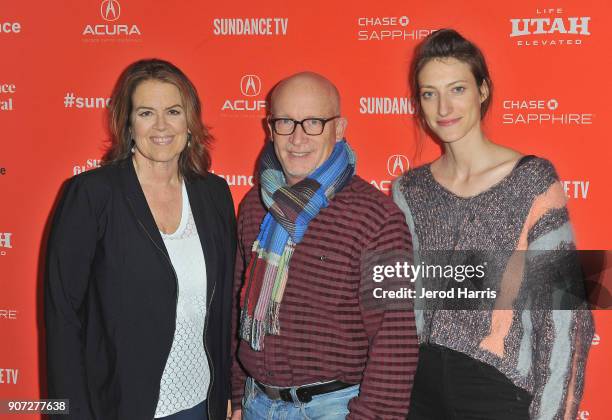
(188, 138)
(133, 146)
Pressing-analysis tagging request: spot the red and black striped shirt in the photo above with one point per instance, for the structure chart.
(327, 332)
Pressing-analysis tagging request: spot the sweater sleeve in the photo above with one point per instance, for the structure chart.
(388, 376)
(563, 337)
(70, 251)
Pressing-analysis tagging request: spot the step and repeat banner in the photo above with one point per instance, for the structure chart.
(59, 60)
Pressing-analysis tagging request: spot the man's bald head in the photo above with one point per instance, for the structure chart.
(305, 98)
(310, 82)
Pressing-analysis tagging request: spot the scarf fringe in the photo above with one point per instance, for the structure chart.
(257, 335)
(273, 321)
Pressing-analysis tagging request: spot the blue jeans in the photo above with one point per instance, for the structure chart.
(194, 413)
(331, 406)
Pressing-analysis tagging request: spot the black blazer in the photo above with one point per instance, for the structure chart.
(111, 294)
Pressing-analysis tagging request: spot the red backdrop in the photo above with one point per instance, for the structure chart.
(60, 59)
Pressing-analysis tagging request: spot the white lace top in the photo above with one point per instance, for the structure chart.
(186, 378)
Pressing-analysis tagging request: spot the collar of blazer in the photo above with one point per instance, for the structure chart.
(207, 219)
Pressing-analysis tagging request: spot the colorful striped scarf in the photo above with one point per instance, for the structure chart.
(290, 209)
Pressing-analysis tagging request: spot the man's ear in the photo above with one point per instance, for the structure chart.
(341, 124)
(270, 132)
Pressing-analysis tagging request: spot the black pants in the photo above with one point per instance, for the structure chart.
(451, 385)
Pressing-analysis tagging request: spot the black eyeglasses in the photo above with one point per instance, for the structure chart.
(311, 126)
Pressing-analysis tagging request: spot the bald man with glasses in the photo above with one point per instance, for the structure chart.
(309, 344)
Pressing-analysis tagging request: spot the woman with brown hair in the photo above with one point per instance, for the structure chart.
(139, 264)
(512, 353)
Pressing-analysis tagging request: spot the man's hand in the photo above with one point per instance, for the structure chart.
(237, 415)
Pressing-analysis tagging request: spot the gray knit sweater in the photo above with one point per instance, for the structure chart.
(541, 350)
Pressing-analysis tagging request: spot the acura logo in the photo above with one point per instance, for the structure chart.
(250, 85)
(110, 10)
(397, 165)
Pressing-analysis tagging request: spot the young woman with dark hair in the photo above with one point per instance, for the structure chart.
(510, 355)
